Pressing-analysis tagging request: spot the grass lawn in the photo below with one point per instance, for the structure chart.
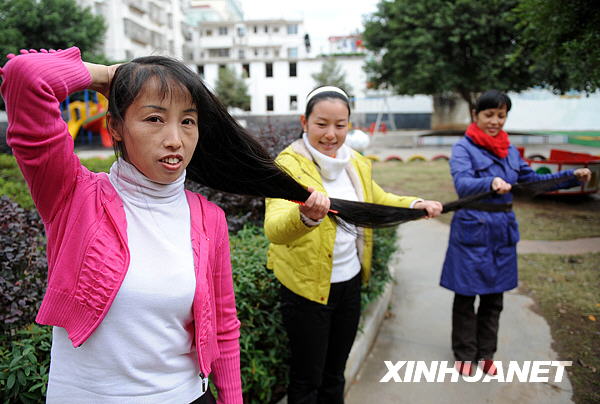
(567, 293)
(541, 218)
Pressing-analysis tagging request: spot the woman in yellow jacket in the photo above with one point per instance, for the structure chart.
(320, 264)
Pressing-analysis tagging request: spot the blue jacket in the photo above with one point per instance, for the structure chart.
(482, 255)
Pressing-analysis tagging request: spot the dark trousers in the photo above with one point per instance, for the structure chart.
(475, 334)
(206, 398)
(320, 340)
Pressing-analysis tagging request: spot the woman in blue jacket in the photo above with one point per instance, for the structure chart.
(481, 258)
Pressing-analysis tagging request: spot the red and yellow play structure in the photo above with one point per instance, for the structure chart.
(88, 117)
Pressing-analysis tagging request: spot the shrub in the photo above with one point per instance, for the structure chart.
(384, 245)
(23, 266)
(263, 339)
(24, 366)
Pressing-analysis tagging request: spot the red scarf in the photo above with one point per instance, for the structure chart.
(497, 145)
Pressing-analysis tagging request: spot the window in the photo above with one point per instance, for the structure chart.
(276, 53)
(292, 52)
(241, 54)
(266, 29)
(269, 69)
(256, 29)
(255, 51)
(222, 31)
(269, 103)
(246, 70)
(275, 29)
(293, 102)
(240, 31)
(208, 32)
(201, 70)
(266, 52)
(218, 53)
(293, 68)
(292, 29)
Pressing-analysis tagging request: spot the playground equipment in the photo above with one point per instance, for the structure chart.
(564, 160)
(88, 116)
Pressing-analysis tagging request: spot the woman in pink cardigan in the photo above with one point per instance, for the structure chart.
(140, 289)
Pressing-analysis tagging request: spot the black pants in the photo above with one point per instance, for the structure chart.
(321, 337)
(206, 398)
(475, 335)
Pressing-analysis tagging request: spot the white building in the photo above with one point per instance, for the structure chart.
(277, 66)
(141, 27)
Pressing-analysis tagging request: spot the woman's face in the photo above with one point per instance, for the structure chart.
(160, 133)
(327, 125)
(491, 120)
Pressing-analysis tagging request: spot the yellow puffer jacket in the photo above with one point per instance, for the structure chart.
(302, 256)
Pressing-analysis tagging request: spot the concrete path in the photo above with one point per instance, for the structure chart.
(419, 330)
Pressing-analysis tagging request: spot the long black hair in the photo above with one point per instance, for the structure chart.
(227, 157)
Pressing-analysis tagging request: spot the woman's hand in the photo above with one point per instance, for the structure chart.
(583, 174)
(433, 208)
(501, 186)
(101, 77)
(316, 206)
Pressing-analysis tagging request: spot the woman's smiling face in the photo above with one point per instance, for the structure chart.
(327, 125)
(491, 120)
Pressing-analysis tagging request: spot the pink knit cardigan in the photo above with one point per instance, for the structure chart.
(86, 226)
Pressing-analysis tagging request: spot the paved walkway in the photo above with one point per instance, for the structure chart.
(419, 329)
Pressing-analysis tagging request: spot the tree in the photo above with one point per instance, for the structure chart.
(231, 90)
(444, 47)
(563, 40)
(331, 74)
(56, 24)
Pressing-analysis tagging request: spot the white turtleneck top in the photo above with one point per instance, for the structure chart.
(143, 351)
(337, 183)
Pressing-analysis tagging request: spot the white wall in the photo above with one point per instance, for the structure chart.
(542, 110)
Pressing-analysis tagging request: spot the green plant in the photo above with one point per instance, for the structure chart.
(263, 339)
(97, 164)
(24, 365)
(384, 245)
(12, 183)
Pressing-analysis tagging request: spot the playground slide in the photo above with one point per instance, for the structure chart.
(97, 123)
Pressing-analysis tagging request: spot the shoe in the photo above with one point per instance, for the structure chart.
(488, 366)
(464, 368)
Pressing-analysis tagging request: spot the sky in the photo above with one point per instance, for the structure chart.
(322, 18)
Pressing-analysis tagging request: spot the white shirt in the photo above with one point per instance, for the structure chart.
(143, 351)
(337, 183)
